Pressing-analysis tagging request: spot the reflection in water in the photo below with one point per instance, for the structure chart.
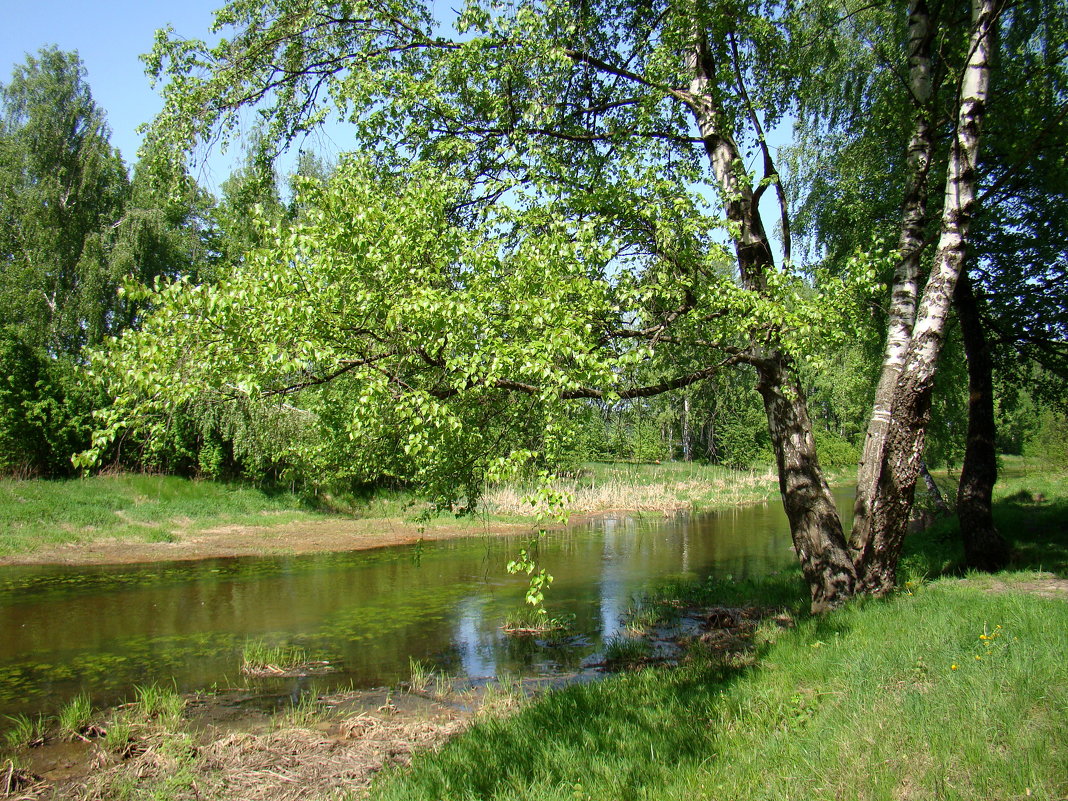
(105, 629)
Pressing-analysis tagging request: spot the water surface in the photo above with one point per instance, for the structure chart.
(106, 629)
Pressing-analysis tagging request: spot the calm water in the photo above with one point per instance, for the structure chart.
(106, 629)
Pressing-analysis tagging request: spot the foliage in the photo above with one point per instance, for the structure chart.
(62, 190)
(1049, 439)
(45, 410)
(617, 226)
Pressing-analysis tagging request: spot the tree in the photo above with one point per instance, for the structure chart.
(573, 248)
(62, 190)
(1023, 183)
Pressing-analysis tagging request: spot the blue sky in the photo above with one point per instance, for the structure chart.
(109, 36)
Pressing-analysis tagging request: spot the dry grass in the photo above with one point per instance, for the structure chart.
(615, 494)
(291, 764)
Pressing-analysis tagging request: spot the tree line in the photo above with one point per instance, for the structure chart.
(555, 226)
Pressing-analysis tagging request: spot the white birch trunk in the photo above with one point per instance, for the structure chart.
(878, 552)
(902, 312)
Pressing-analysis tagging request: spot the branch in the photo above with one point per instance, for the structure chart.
(771, 173)
(347, 366)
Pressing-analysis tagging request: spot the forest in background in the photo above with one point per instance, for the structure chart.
(548, 245)
(82, 231)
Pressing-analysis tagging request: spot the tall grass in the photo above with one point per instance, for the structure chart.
(600, 487)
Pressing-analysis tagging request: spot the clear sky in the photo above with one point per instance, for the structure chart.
(109, 35)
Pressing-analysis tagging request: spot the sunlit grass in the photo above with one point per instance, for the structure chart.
(36, 514)
(74, 717)
(21, 731)
(622, 486)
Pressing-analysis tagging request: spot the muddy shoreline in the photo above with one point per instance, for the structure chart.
(318, 536)
(229, 741)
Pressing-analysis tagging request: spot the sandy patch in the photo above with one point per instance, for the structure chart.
(312, 536)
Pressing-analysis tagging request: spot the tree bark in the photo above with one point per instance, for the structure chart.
(687, 436)
(984, 547)
(815, 525)
(933, 492)
(878, 551)
(902, 311)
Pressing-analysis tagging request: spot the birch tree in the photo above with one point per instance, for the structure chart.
(598, 154)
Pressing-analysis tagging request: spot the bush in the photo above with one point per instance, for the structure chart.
(835, 452)
(46, 411)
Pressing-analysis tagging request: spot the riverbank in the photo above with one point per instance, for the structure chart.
(121, 519)
(954, 688)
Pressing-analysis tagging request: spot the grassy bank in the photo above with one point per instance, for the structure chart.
(623, 486)
(955, 688)
(37, 515)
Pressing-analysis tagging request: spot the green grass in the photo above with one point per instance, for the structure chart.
(954, 688)
(1030, 510)
(259, 655)
(157, 703)
(36, 514)
(22, 730)
(621, 652)
(75, 716)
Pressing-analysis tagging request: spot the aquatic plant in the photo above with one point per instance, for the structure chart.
(421, 676)
(24, 731)
(259, 658)
(622, 652)
(528, 621)
(74, 718)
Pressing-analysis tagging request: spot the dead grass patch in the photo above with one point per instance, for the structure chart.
(291, 764)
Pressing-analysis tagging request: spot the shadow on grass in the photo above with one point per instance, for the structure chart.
(1036, 527)
(625, 737)
(622, 738)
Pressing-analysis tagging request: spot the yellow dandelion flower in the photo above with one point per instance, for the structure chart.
(952, 667)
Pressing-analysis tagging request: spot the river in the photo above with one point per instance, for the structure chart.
(106, 629)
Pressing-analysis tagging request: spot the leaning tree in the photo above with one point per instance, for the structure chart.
(553, 202)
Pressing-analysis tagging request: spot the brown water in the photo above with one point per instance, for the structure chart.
(104, 630)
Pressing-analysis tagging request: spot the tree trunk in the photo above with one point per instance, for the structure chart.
(933, 492)
(902, 312)
(687, 445)
(878, 551)
(984, 548)
(815, 525)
